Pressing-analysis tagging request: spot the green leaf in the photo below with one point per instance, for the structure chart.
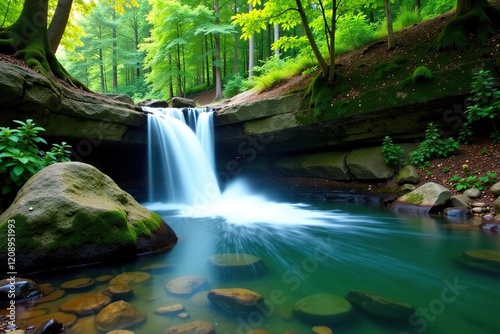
(18, 170)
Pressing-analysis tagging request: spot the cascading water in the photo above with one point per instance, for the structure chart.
(180, 162)
(182, 172)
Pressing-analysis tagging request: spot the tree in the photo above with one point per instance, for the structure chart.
(473, 17)
(27, 39)
(58, 23)
(289, 14)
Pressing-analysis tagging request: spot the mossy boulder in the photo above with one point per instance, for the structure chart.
(71, 214)
(407, 174)
(328, 165)
(427, 198)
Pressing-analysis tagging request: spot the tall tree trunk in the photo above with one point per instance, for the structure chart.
(207, 61)
(236, 43)
(321, 61)
(170, 79)
(417, 6)
(333, 27)
(115, 52)
(390, 32)
(27, 39)
(58, 23)
(463, 7)
(276, 37)
(251, 49)
(218, 78)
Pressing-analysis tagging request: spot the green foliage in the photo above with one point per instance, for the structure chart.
(383, 69)
(421, 75)
(485, 99)
(353, 31)
(473, 181)
(465, 134)
(392, 153)
(407, 17)
(20, 157)
(232, 86)
(433, 146)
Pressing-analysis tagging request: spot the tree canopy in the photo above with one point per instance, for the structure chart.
(163, 48)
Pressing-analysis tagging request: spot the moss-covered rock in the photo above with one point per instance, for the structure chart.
(427, 198)
(380, 306)
(236, 300)
(368, 164)
(71, 214)
(407, 174)
(323, 309)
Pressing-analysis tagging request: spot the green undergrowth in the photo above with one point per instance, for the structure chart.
(452, 82)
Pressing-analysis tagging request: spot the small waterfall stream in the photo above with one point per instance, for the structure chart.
(181, 165)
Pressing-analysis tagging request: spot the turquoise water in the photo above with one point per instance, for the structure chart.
(409, 259)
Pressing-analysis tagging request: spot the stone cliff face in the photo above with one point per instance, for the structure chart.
(112, 135)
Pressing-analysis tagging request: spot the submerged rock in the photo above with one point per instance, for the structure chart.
(78, 284)
(170, 309)
(236, 300)
(70, 213)
(195, 327)
(118, 315)
(380, 306)
(237, 264)
(65, 318)
(89, 303)
(130, 277)
(488, 260)
(323, 309)
(186, 285)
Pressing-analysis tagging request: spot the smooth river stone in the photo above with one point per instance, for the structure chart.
(170, 309)
(237, 264)
(186, 285)
(120, 331)
(323, 309)
(78, 284)
(482, 259)
(118, 315)
(103, 278)
(158, 268)
(66, 319)
(31, 313)
(119, 291)
(86, 304)
(133, 277)
(85, 325)
(54, 295)
(236, 300)
(380, 306)
(195, 327)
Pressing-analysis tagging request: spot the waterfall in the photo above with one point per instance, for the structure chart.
(181, 163)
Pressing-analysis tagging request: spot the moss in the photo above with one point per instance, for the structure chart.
(109, 227)
(144, 227)
(421, 75)
(381, 70)
(481, 21)
(414, 198)
(25, 236)
(321, 94)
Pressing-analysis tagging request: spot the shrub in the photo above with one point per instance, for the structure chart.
(406, 17)
(233, 86)
(20, 157)
(473, 181)
(393, 154)
(433, 146)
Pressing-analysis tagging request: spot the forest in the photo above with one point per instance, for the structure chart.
(166, 48)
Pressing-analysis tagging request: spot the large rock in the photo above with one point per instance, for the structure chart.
(180, 102)
(495, 189)
(368, 164)
(236, 300)
(64, 112)
(328, 165)
(237, 264)
(496, 205)
(70, 214)
(407, 174)
(186, 285)
(118, 315)
(426, 198)
(488, 260)
(238, 113)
